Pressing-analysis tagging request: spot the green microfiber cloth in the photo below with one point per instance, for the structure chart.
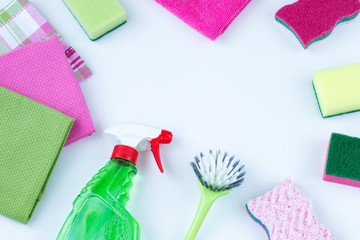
(97, 17)
(343, 160)
(32, 136)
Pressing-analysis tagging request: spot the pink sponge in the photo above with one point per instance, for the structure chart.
(286, 213)
(313, 20)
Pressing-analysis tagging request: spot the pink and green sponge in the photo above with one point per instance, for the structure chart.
(313, 20)
(343, 160)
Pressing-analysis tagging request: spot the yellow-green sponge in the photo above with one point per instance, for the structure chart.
(97, 17)
(338, 90)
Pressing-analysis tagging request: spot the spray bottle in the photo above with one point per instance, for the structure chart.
(99, 210)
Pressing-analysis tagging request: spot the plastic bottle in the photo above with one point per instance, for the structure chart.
(99, 211)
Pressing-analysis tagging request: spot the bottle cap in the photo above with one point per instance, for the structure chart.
(125, 152)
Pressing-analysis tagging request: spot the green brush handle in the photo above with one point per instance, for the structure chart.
(207, 199)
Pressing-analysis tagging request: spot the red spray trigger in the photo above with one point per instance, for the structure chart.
(165, 137)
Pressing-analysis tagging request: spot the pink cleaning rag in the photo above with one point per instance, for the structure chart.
(42, 72)
(210, 18)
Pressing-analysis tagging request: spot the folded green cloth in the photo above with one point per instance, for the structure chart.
(32, 136)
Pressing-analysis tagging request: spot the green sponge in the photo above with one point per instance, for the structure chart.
(338, 89)
(97, 17)
(343, 160)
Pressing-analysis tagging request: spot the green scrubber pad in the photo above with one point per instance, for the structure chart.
(97, 17)
(338, 89)
(343, 160)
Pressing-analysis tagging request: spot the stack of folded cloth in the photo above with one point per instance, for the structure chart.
(31, 138)
(21, 24)
(42, 109)
(41, 72)
(210, 18)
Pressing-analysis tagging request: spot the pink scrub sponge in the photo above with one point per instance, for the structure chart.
(286, 213)
(343, 160)
(313, 20)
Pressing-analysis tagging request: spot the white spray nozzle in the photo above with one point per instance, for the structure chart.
(141, 138)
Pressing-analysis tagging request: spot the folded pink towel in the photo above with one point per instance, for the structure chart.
(210, 18)
(42, 72)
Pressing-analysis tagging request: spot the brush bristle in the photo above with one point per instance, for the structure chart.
(218, 171)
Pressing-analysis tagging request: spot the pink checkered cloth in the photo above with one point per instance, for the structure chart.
(21, 25)
(42, 72)
(209, 17)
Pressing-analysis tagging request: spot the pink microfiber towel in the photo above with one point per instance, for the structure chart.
(210, 18)
(287, 214)
(313, 20)
(42, 72)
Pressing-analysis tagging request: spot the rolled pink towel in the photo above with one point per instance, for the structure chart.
(210, 18)
(286, 213)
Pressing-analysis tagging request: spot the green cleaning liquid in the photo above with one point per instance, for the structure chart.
(99, 211)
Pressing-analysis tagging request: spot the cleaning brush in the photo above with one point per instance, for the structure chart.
(217, 173)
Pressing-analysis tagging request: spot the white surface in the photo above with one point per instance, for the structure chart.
(249, 93)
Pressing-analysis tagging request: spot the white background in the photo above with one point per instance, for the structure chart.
(249, 93)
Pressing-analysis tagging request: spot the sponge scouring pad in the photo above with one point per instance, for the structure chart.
(313, 20)
(97, 17)
(343, 160)
(338, 89)
(286, 213)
